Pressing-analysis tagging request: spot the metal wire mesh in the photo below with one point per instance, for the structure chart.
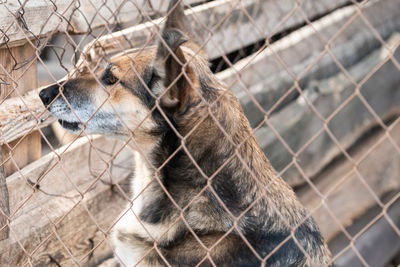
(316, 79)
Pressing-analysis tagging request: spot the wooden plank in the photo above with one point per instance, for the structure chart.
(382, 233)
(346, 195)
(229, 24)
(20, 152)
(67, 188)
(267, 79)
(34, 19)
(4, 204)
(18, 70)
(66, 169)
(19, 74)
(96, 13)
(39, 18)
(20, 116)
(297, 123)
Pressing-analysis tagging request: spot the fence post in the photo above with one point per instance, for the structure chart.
(21, 67)
(21, 64)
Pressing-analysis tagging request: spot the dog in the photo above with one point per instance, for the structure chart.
(203, 192)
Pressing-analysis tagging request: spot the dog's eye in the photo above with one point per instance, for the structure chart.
(108, 78)
(111, 79)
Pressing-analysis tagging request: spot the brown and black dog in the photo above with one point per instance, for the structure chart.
(203, 191)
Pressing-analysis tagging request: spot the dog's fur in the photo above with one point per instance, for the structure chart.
(203, 191)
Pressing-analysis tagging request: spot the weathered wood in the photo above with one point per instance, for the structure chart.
(20, 152)
(266, 78)
(34, 20)
(95, 13)
(297, 123)
(224, 25)
(18, 70)
(57, 193)
(19, 74)
(4, 204)
(20, 116)
(67, 169)
(346, 195)
(378, 244)
(39, 18)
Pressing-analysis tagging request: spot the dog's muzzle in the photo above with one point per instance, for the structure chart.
(48, 94)
(48, 97)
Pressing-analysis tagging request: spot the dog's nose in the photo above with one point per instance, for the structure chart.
(48, 94)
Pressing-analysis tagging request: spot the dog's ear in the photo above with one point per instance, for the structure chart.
(170, 63)
(177, 19)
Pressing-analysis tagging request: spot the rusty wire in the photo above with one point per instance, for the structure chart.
(147, 13)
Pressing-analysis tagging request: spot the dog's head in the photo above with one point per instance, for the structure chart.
(135, 89)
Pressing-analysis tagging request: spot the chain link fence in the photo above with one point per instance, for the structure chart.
(318, 80)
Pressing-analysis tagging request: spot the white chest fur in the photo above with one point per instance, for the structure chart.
(127, 251)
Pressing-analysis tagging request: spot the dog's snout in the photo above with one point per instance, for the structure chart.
(48, 94)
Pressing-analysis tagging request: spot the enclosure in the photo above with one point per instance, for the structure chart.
(319, 81)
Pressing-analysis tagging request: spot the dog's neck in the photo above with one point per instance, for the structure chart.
(204, 138)
(218, 150)
(205, 143)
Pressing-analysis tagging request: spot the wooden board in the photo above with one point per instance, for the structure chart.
(380, 232)
(20, 116)
(268, 75)
(346, 191)
(18, 71)
(224, 25)
(297, 123)
(20, 152)
(67, 169)
(40, 18)
(19, 74)
(68, 188)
